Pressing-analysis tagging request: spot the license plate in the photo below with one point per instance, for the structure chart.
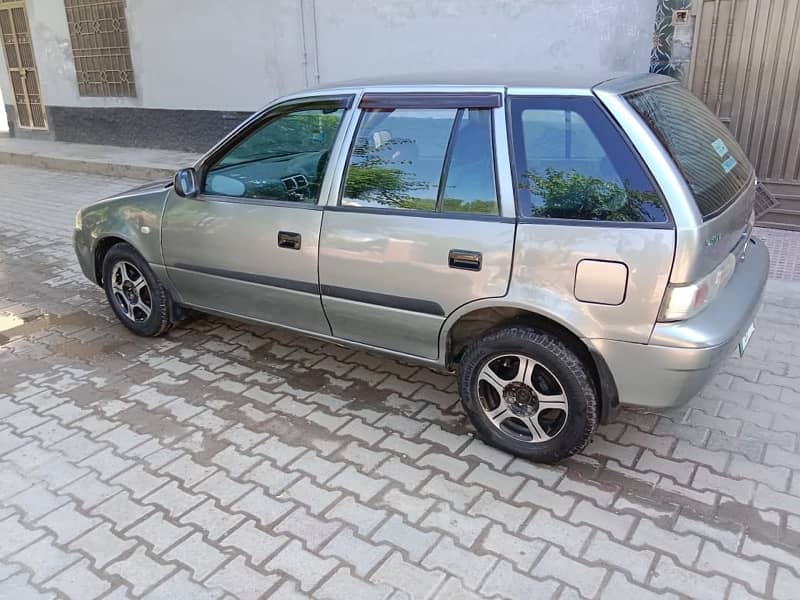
(746, 338)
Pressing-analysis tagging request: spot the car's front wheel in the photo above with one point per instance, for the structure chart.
(528, 393)
(134, 292)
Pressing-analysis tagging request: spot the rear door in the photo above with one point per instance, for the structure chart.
(719, 177)
(416, 229)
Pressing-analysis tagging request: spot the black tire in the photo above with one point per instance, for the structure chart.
(158, 322)
(574, 429)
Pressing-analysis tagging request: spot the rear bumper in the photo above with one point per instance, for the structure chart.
(682, 357)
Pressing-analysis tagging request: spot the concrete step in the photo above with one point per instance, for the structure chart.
(113, 161)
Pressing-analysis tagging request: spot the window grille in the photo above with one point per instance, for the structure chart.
(98, 31)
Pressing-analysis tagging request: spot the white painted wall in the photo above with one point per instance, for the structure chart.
(3, 115)
(378, 37)
(204, 54)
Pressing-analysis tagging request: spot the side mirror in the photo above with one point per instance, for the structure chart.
(186, 184)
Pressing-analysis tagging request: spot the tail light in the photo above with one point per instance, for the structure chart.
(685, 301)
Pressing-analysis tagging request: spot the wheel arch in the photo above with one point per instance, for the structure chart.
(463, 327)
(100, 250)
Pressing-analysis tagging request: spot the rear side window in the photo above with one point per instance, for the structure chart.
(436, 160)
(714, 165)
(572, 163)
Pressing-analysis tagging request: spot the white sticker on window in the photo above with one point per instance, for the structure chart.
(720, 147)
(729, 164)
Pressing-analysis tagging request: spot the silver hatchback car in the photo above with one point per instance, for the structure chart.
(567, 246)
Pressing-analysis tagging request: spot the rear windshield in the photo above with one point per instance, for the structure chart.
(712, 162)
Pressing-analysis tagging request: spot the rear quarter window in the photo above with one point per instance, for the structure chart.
(708, 156)
(571, 162)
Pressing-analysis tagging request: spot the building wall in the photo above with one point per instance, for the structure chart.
(212, 62)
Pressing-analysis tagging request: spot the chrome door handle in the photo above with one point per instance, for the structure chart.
(289, 239)
(468, 260)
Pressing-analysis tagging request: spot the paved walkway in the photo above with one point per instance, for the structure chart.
(227, 460)
(115, 161)
(784, 252)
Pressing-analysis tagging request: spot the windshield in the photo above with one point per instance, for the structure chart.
(710, 159)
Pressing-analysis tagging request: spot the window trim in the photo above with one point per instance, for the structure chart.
(373, 100)
(437, 211)
(337, 101)
(668, 224)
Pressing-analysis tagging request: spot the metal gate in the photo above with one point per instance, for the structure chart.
(746, 67)
(21, 65)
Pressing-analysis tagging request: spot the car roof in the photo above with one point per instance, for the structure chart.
(552, 80)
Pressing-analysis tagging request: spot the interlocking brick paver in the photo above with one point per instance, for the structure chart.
(458, 494)
(363, 556)
(102, 545)
(413, 541)
(468, 566)
(241, 581)
(343, 586)
(173, 499)
(256, 543)
(537, 495)
(603, 549)
(363, 486)
(619, 587)
(198, 555)
(211, 519)
(159, 532)
(181, 586)
(554, 564)
(683, 546)
(77, 581)
(45, 559)
(512, 517)
(226, 460)
(67, 523)
(304, 566)
(415, 581)
(121, 510)
(754, 573)
(407, 476)
(669, 575)
(313, 531)
(505, 581)
(140, 570)
(464, 528)
(544, 526)
(362, 517)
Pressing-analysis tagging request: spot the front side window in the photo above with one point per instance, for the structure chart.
(572, 163)
(283, 159)
(436, 160)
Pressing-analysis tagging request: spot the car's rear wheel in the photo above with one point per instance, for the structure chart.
(134, 292)
(528, 393)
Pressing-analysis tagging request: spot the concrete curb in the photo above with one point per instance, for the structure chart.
(81, 165)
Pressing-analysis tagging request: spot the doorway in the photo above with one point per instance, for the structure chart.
(21, 65)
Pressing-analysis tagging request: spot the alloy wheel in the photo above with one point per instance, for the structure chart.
(522, 398)
(131, 292)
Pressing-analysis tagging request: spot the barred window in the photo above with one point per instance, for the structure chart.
(98, 31)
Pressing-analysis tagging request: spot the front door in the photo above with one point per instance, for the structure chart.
(247, 246)
(21, 65)
(417, 230)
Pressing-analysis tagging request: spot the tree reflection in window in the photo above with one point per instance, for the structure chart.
(399, 161)
(376, 178)
(559, 194)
